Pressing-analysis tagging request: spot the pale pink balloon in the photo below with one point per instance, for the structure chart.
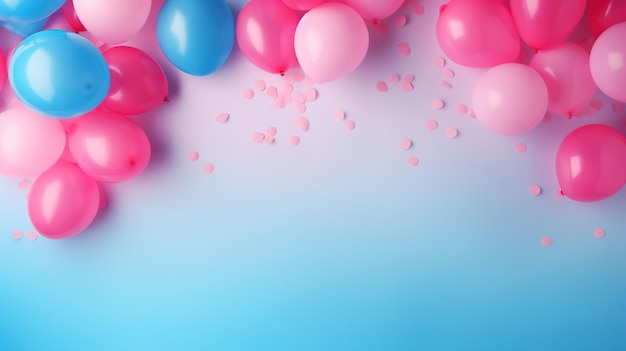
(265, 34)
(29, 143)
(109, 147)
(565, 70)
(63, 201)
(375, 9)
(510, 99)
(477, 33)
(543, 24)
(608, 62)
(113, 21)
(331, 41)
(302, 5)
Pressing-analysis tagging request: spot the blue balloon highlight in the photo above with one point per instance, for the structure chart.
(28, 10)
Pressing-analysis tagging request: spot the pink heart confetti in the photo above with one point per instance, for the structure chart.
(407, 87)
(448, 73)
(258, 137)
(452, 133)
(439, 62)
(302, 123)
(400, 21)
(294, 140)
(311, 94)
(271, 92)
(431, 125)
(270, 132)
(546, 241)
(208, 168)
(461, 109)
(444, 84)
(194, 156)
(404, 49)
(269, 140)
(350, 125)
(339, 115)
(598, 233)
(32, 235)
(418, 9)
(222, 117)
(406, 144)
(534, 190)
(394, 78)
(301, 108)
(260, 85)
(520, 147)
(382, 87)
(413, 161)
(409, 78)
(299, 98)
(437, 104)
(17, 234)
(248, 94)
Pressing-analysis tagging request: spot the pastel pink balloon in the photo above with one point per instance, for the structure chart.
(138, 84)
(510, 99)
(265, 34)
(113, 21)
(608, 62)
(590, 163)
(477, 33)
(565, 70)
(602, 14)
(302, 5)
(543, 24)
(29, 143)
(3, 69)
(109, 147)
(375, 9)
(331, 41)
(63, 201)
(71, 17)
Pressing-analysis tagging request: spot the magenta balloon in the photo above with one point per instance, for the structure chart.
(302, 5)
(331, 41)
(565, 70)
(63, 201)
(477, 33)
(109, 147)
(602, 14)
(265, 34)
(510, 99)
(608, 62)
(590, 163)
(138, 84)
(545, 23)
(375, 9)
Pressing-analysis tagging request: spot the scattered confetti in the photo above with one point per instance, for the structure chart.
(448, 73)
(520, 147)
(270, 132)
(618, 107)
(260, 85)
(311, 94)
(437, 104)
(17, 234)
(248, 94)
(258, 137)
(287, 88)
(413, 161)
(394, 78)
(461, 109)
(409, 78)
(298, 76)
(302, 123)
(24, 184)
(404, 49)
(382, 87)
(350, 125)
(439, 62)
(271, 92)
(301, 108)
(452, 133)
(208, 168)
(294, 140)
(400, 21)
(596, 104)
(407, 86)
(546, 241)
(534, 190)
(269, 140)
(299, 98)
(339, 115)
(598, 233)
(431, 125)
(194, 156)
(406, 144)
(418, 9)
(445, 84)
(222, 117)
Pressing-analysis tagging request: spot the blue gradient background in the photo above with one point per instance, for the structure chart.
(336, 244)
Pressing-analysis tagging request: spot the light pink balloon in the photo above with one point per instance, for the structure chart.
(29, 143)
(265, 34)
(477, 33)
(565, 70)
(375, 9)
(331, 41)
(113, 21)
(109, 147)
(608, 62)
(510, 99)
(63, 201)
(302, 5)
(543, 24)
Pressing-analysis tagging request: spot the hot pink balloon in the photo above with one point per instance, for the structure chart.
(565, 70)
(113, 21)
(545, 23)
(138, 84)
(302, 5)
(590, 163)
(608, 62)
(265, 34)
(510, 99)
(3, 70)
(109, 147)
(375, 9)
(29, 143)
(331, 41)
(477, 33)
(602, 14)
(71, 17)
(63, 201)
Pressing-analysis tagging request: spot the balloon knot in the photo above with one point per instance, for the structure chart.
(441, 8)
(375, 21)
(282, 73)
(570, 115)
(165, 99)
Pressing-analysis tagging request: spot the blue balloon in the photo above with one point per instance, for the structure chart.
(28, 10)
(59, 74)
(196, 36)
(23, 29)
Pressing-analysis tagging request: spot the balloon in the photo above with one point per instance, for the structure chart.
(138, 83)
(302, 5)
(602, 14)
(590, 163)
(3, 70)
(28, 10)
(565, 70)
(59, 74)
(477, 33)
(29, 143)
(24, 29)
(331, 41)
(375, 9)
(69, 13)
(608, 62)
(196, 36)
(265, 34)
(113, 21)
(63, 201)
(510, 99)
(109, 147)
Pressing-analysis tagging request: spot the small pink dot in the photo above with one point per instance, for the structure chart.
(404, 49)
(350, 125)
(418, 9)
(452, 133)
(596, 104)
(546, 241)
(409, 78)
(520, 147)
(439, 62)
(271, 92)
(222, 117)
(248, 94)
(32, 235)
(299, 98)
(258, 137)
(413, 161)
(407, 86)
(382, 87)
(301, 108)
(269, 140)
(298, 76)
(286, 98)
(260, 85)
(461, 108)
(194, 156)
(280, 102)
(339, 115)
(598, 233)
(302, 123)
(618, 106)
(208, 168)
(294, 140)
(24, 184)
(431, 125)
(406, 144)
(534, 190)
(17, 234)
(448, 73)
(437, 104)
(270, 132)
(311, 94)
(400, 21)
(445, 84)
(394, 78)
(287, 88)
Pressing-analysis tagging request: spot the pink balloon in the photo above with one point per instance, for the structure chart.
(545, 23)
(510, 99)
(113, 21)
(29, 143)
(109, 147)
(608, 62)
(265, 34)
(138, 84)
(71, 17)
(331, 41)
(63, 201)
(302, 5)
(602, 14)
(591, 163)
(3, 70)
(565, 70)
(477, 33)
(375, 9)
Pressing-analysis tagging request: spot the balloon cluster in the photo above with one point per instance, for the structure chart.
(512, 98)
(72, 127)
